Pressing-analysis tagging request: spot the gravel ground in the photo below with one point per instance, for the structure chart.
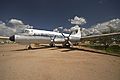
(47, 63)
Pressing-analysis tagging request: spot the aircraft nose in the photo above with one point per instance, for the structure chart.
(12, 38)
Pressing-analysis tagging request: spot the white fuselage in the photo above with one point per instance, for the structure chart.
(33, 36)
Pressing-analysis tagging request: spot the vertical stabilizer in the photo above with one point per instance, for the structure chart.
(77, 21)
(76, 31)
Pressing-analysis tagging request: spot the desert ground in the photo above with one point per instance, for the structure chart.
(46, 63)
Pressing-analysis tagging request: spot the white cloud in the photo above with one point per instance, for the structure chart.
(100, 28)
(15, 21)
(105, 27)
(13, 26)
(78, 21)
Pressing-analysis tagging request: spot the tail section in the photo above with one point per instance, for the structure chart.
(76, 31)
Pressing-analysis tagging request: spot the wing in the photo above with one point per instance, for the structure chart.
(102, 36)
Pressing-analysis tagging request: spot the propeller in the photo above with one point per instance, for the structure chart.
(67, 42)
(52, 40)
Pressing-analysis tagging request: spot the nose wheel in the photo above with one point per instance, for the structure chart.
(28, 47)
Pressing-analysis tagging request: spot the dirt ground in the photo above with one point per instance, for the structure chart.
(58, 63)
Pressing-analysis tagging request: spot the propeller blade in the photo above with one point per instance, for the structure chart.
(63, 35)
(52, 41)
(70, 43)
(70, 34)
(67, 39)
(54, 37)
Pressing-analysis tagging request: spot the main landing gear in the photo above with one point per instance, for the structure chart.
(52, 44)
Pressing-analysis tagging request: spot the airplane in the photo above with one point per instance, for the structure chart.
(34, 36)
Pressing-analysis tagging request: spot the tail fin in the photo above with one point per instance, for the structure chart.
(76, 31)
(78, 34)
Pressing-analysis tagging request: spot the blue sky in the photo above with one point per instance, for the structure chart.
(48, 14)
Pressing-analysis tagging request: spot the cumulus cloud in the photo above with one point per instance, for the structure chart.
(78, 21)
(12, 27)
(15, 22)
(58, 29)
(98, 29)
(15, 26)
(102, 28)
(65, 30)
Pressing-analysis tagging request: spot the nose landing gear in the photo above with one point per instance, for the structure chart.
(28, 47)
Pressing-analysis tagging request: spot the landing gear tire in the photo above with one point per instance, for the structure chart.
(29, 47)
(52, 44)
(66, 45)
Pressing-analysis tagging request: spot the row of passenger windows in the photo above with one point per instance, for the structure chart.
(43, 35)
(47, 35)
